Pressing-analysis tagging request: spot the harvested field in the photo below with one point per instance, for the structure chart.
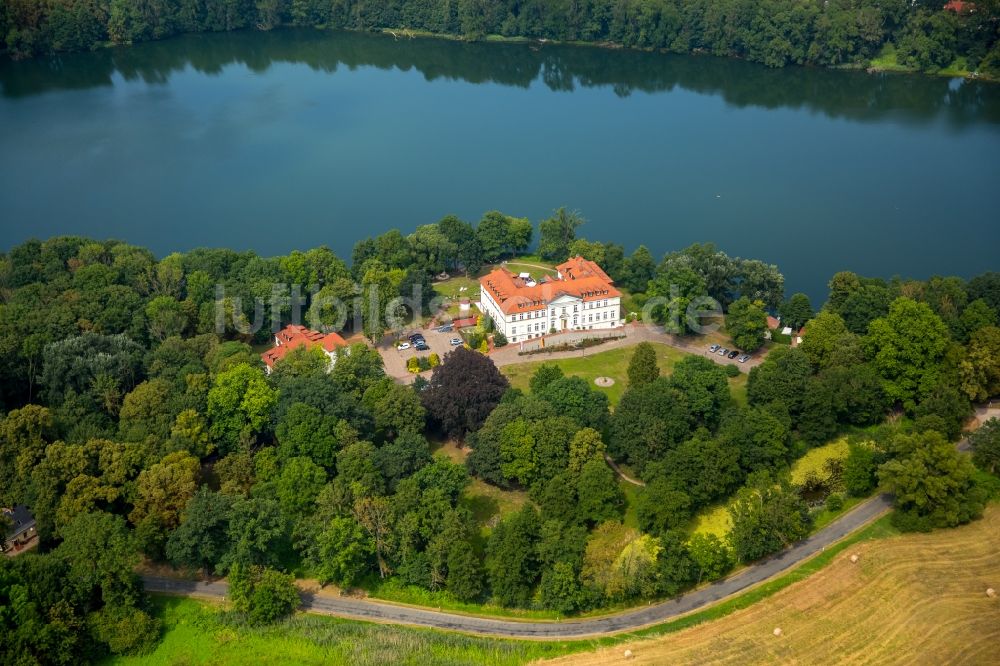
(914, 599)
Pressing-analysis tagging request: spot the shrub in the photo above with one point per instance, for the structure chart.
(859, 470)
(834, 503)
(262, 593)
(499, 339)
(732, 371)
(413, 365)
(433, 360)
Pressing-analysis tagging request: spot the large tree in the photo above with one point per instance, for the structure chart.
(240, 406)
(796, 311)
(907, 347)
(557, 233)
(985, 444)
(767, 516)
(203, 535)
(933, 484)
(649, 421)
(979, 370)
(746, 323)
(642, 367)
(512, 557)
(463, 391)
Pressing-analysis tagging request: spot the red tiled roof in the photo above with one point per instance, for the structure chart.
(577, 267)
(464, 323)
(296, 335)
(959, 7)
(772, 322)
(513, 294)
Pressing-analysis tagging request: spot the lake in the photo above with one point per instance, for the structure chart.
(291, 139)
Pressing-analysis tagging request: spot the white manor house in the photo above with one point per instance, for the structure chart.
(581, 297)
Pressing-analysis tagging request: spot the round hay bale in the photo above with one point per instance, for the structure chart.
(991, 593)
(854, 559)
(777, 631)
(628, 654)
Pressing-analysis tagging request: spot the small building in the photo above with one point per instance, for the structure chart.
(465, 323)
(464, 305)
(294, 336)
(772, 325)
(581, 297)
(959, 7)
(21, 530)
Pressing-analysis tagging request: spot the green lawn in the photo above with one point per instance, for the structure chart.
(593, 363)
(518, 267)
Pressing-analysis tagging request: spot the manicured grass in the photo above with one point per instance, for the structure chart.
(452, 288)
(531, 268)
(593, 363)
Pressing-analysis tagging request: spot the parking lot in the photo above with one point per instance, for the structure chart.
(395, 359)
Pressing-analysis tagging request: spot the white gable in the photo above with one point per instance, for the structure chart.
(564, 299)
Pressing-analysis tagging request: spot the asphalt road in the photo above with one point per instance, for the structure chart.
(379, 611)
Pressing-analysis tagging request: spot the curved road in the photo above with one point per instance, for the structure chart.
(380, 611)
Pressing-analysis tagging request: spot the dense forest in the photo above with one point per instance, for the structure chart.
(924, 35)
(133, 428)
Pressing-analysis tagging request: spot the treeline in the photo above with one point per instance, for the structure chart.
(129, 426)
(775, 32)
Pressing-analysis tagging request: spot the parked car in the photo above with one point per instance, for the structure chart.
(447, 328)
(415, 336)
(455, 342)
(403, 345)
(421, 346)
(744, 358)
(723, 351)
(734, 353)
(714, 348)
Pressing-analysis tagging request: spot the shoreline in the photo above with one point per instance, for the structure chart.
(873, 66)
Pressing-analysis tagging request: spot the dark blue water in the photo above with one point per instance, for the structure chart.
(293, 139)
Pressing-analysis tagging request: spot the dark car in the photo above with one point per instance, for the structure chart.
(734, 353)
(447, 328)
(416, 337)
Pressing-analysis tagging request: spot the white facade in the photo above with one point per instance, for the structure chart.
(563, 313)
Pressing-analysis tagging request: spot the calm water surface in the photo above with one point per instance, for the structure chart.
(292, 139)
